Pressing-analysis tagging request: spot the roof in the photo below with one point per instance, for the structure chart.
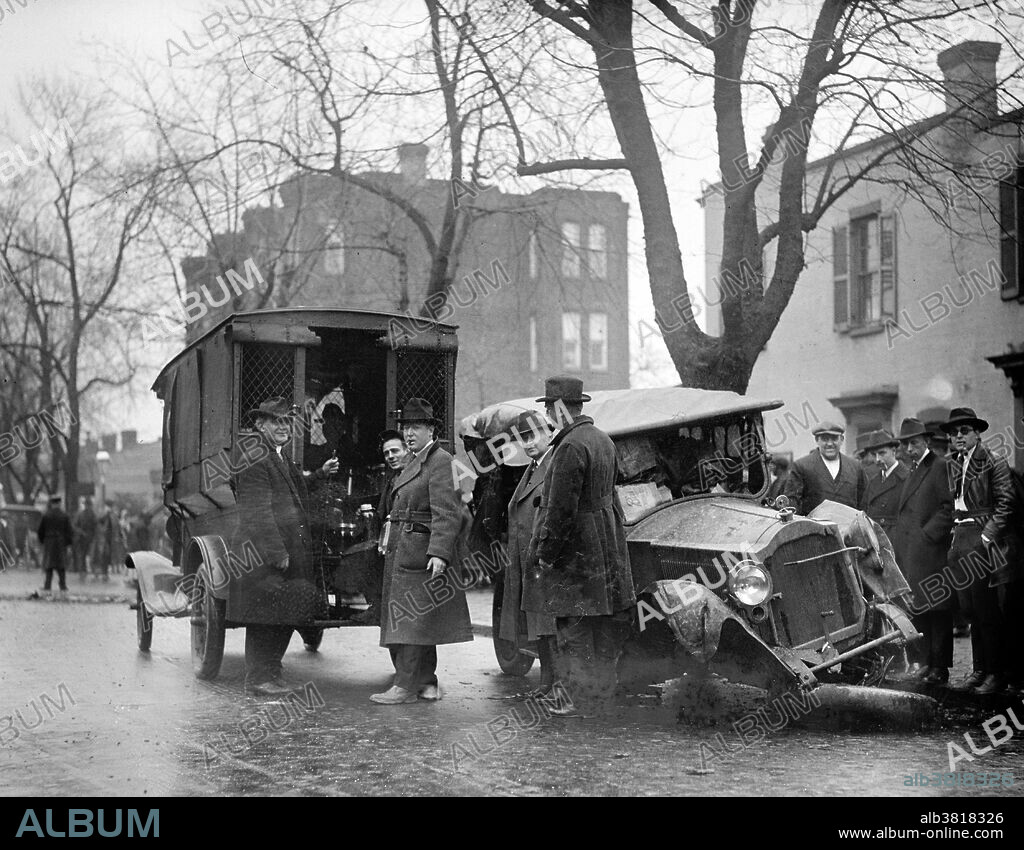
(621, 412)
(284, 312)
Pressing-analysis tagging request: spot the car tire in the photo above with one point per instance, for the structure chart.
(143, 623)
(511, 661)
(207, 619)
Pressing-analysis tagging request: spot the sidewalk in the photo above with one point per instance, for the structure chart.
(22, 584)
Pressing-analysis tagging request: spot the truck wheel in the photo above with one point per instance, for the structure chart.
(207, 630)
(311, 638)
(510, 660)
(143, 623)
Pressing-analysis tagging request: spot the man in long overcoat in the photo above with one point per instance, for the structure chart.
(980, 556)
(84, 527)
(826, 473)
(517, 625)
(56, 536)
(281, 592)
(578, 552)
(423, 602)
(882, 492)
(921, 540)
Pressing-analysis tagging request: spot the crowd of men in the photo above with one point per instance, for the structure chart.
(952, 510)
(568, 583)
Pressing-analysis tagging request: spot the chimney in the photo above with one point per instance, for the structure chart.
(109, 443)
(969, 76)
(412, 161)
(129, 439)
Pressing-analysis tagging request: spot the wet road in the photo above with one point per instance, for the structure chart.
(82, 712)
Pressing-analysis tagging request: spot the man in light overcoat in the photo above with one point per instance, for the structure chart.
(424, 601)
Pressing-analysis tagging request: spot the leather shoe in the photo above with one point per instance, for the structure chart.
(557, 707)
(991, 684)
(936, 676)
(972, 681)
(431, 692)
(394, 696)
(274, 688)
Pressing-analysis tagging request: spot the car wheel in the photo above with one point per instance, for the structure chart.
(511, 661)
(207, 630)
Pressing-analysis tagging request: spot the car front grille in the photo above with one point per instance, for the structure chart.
(810, 589)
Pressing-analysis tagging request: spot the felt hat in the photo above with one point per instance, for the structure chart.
(912, 427)
(417, 410)
(564, 388)
(880, 439)
(964, 416)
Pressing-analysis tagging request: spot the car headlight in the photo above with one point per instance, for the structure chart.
(750, 583)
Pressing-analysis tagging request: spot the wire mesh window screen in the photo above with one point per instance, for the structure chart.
(267, 371)
(425, 374)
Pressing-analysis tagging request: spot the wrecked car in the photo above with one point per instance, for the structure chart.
(726, 585)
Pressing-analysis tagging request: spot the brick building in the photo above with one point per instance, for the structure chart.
(896, 315)
(540, 281)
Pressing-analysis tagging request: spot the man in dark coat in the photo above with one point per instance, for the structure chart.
(825, 473)
(578, 551)
(56, 536)
(921, 540)
(780, 467)
(882, 492)
(281, 592)
(517, 625)
(423, 602)
(84, 527)
(982, 492)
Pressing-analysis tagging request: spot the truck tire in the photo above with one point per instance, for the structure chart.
(208, 629)
(511, 661)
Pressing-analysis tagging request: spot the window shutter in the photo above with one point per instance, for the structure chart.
(840, 279)
(887, 264)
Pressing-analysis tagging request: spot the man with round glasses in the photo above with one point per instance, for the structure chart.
(982, 505)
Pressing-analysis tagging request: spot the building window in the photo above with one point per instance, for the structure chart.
(534, 259)
(597, 248)
(1011, 213)
(533, 344)
(572, 344)
(597, 340)
(864, 272)
(570, 249)
(334, 247)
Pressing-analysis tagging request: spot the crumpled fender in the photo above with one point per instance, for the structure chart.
(877, 563)
(208, 556)
(900, 619)
(702, 623)
(161, 584)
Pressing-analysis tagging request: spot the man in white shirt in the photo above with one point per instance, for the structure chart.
(826, 473)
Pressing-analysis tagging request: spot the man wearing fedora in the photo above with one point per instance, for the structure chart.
(826, 473)
(517, 625)
(578, 552)
(982, 493)
(920, 539)
(281, 592)
(882, 491)
(423, 603)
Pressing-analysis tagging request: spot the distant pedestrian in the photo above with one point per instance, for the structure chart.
(826, 473)
(983, 495)
(103, 543)
(84, 526)
(578, 552)
(920, 539)
(55, 535)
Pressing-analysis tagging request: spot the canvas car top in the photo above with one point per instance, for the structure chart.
(630, 411)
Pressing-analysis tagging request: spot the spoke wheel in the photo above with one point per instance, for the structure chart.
(207, 630)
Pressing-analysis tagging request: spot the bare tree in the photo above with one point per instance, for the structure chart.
(798, 70)
(76, 210)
